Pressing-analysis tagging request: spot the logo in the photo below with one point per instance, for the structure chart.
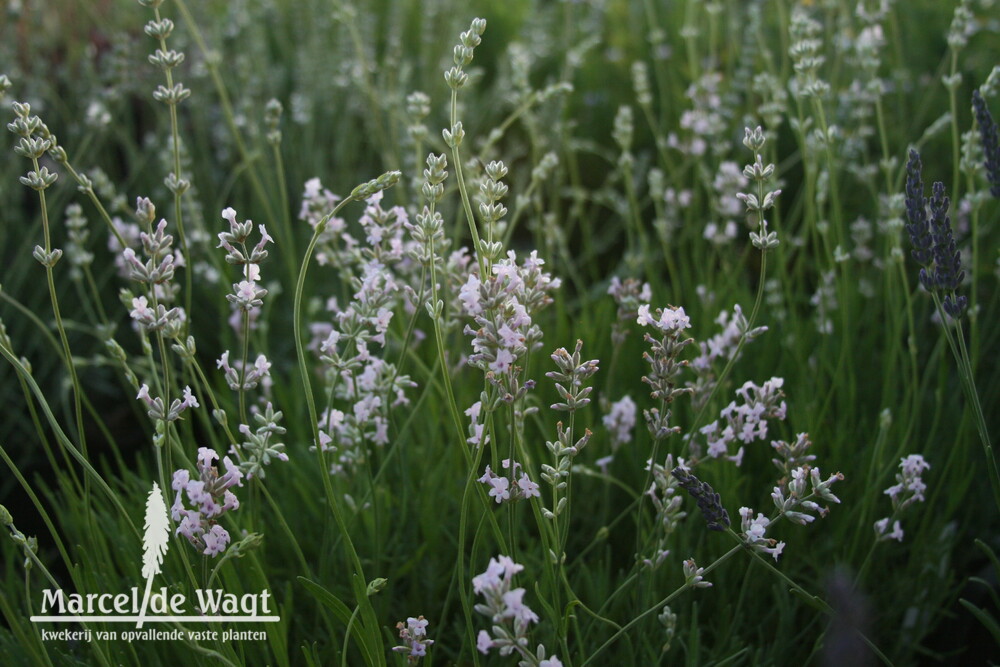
(149, 607)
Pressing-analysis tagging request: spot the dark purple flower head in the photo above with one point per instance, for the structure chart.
(709, 502)
(932, 239)
(916, 211)
(991, 142)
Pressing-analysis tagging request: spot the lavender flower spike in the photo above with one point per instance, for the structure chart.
(991, 143)
(709, 502)
(932, 239)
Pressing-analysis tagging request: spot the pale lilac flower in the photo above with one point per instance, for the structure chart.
(469, 296)
(754, 533)
(505, 606)
(882, 530)
(910, 486)
(504, 360)
(414, 635)
(499, 489)
(528, 488)
(484, 642)
(620, 421)
(189, 399)
(329, 345)
(199, 524)
(516, 608)
(140, 309)
(246, 290)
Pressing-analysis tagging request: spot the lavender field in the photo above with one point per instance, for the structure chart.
(591, 332)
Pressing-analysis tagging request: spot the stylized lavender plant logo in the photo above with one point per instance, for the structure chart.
(154, 543)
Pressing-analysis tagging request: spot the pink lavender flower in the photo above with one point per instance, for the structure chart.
(510, 616)
(501, 488)
(745, 422)
(210, 497)
(502, 307)
(414, 636)
(668, 319)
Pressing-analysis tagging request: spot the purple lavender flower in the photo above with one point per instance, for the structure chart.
(932, 239)
(709, 502)
(991, 143)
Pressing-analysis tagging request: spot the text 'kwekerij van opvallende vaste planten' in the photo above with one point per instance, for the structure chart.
(568, 333)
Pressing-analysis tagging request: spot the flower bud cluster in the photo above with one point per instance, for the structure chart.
(668, 504)
(622, 132)
(258, 446)
(76, 247)
(563, 451)
(156, 273)
(246, 295)
(210, 497)
(694, 576)
(503, 490)
(418, 107)
(156, 408)
(28, 544)
(794, 498)
(640, 83)
(272, 121)
(668, 619)
(35, 140)
(574, 374)
(805, 53)
(757, 204)
(245, 377)
(456, 77)
(375, 186)
(491, 211)
(167, 60)
(665, 363)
